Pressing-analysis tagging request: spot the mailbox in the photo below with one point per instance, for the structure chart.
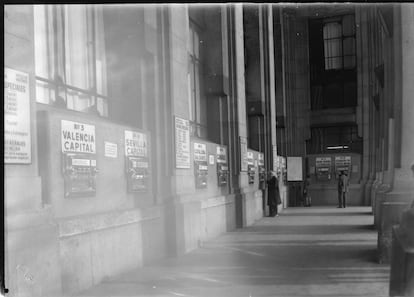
(222, 174)
(200, 174)
(222, 166)
(251, 171)
(137, 174)
(262, 176)
(79, 172)
(262, 171)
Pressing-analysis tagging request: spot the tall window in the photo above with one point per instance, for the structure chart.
(70, 57)
(194, 81)
(339, 43)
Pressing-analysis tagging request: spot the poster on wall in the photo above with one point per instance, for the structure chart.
(77, 137)
(243, 154)
(294, 169)
(17, 143)
(136, 144)
(200, 152)
(182, 143)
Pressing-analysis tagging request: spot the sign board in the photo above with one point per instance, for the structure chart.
(323, 161)
(221, 153)
(294, 169)
(111, 150)
(260, 159)
(77, 137)
(136, 144)
(342, 161)
(211, 159)
(17, 143)
(200, 152)
(182, 143)
(250, 158)
(243, 153)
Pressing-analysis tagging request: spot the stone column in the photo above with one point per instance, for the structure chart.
(32, 264)
(402, 194)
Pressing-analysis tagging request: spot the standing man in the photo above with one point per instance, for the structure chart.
(343, 183)
(273, 195)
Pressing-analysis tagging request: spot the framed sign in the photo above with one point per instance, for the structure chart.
(182, 143)
(17, 142)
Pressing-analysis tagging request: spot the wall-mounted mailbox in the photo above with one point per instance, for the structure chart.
(262, 171)
(201, 174)
(323, 168)
(342, 163)
(78, 159)
(79, 172)
(137, 174)
(222, 174)
(222, 166)
(251, 169)
(136, 161)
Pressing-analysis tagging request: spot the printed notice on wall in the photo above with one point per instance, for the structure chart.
(111, 150)
(17, 144)
(77, 137)
(135, 144)
(182, 143)
(200, 152)
(243, 154)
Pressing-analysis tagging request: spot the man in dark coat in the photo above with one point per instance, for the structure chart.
(343, 184)
(273, 195)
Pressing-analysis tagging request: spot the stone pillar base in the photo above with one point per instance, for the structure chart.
(391, 207)
(32, 263)
(402, 264)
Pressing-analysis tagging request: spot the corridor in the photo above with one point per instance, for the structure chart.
(316, 251)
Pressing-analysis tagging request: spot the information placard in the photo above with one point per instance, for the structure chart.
(260, 159)
(17, 143)
(111, 150)
(221, 153)
(77, 137)
(136, 144)
(200, 152)
(182, 143)
(250, 158)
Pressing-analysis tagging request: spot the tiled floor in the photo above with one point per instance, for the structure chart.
(316, 251)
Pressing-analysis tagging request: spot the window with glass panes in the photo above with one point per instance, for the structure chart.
(339, 43)
(70, 62)
(194, 81)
